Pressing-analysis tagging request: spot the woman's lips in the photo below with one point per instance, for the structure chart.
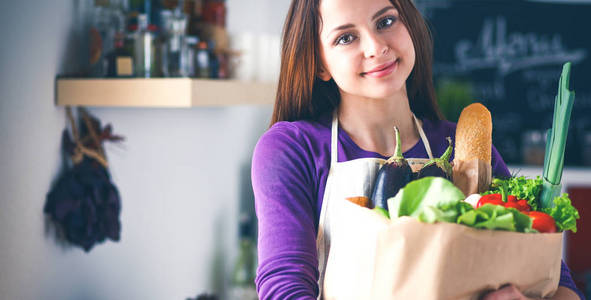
(382, 70)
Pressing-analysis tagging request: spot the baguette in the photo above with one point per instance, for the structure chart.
(474, 134)
(472, 169)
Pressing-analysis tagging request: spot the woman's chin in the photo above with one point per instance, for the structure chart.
(385, 91)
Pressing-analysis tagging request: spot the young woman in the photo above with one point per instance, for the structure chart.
(351, 70)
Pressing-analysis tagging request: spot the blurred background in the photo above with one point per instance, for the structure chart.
(183, 174)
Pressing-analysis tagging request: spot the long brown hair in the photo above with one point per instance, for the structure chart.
(301, 95)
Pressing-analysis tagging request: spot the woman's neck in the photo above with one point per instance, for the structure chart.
(370, 122)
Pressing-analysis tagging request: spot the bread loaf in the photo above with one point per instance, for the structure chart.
(474, 134)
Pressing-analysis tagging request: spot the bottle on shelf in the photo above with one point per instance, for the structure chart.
(202, 59)
(213, 24)
(120, 60)
(100, 38)
(173, 47)
(188, 60)
(144, 54)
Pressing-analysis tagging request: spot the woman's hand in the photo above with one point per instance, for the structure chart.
(510, 292)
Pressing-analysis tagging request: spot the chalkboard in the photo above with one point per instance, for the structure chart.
(510, 53)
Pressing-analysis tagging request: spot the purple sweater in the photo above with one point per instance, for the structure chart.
(289, 170)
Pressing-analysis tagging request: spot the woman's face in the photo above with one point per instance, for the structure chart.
(365, 47)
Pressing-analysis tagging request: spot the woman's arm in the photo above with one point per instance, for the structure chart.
(283, 185)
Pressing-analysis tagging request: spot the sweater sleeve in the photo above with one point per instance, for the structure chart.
(499, 168)
(566, 280)
(283, 184)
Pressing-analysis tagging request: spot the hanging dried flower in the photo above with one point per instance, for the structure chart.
(83, 203)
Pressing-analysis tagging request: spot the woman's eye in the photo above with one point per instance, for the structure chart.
(385, 22)
(345, 39)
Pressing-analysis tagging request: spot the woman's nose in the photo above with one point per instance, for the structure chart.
(374, 46)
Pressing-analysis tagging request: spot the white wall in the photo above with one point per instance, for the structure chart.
(182, 173)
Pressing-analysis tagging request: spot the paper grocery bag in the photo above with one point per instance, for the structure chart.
(374, 258)
(472, 176)
(352, 260)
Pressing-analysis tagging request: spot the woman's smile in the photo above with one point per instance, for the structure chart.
(382, 70)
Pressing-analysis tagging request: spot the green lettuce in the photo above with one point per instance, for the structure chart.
(448, 212)
(491, 216)
(564, 214)
(521, 187)
(418, 194)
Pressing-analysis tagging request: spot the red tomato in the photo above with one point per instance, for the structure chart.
(511, 198)
(514, 205)
(542, 222)
(495, 199)
(524, 207)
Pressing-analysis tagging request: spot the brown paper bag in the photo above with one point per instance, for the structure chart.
(472, 176)
(372, 257)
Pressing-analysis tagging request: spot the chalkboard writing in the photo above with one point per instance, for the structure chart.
(511, 53)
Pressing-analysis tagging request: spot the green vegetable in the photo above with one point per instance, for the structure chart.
(555, 144)
(382, 211)
(420, 193)
(564, 214)
(435, 199)
(521, 187)
(448, 212)
(491, 216)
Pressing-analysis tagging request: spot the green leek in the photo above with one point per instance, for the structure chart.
(556, 140)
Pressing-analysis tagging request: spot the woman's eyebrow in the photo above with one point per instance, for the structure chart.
(342, 27)
(382, 11)
(375, 16)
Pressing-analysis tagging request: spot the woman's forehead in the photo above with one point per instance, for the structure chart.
(338, 10)
(334, 13)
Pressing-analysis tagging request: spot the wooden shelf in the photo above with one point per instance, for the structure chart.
(162, 92)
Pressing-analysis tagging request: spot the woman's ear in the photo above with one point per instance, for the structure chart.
(323, 74)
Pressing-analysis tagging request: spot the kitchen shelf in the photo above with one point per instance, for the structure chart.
(162, 92)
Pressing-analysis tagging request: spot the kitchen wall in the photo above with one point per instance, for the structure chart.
(182, 173)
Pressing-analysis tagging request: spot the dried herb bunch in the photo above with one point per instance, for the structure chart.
(83, 204)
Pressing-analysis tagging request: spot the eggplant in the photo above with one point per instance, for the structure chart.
(392, 176)
(438, 167)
